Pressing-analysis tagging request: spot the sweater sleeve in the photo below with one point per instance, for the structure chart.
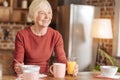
(59, 49)
(19, 48)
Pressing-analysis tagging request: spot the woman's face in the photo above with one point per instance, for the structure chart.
(44, 17)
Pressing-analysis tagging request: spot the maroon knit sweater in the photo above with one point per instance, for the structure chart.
(37, 50)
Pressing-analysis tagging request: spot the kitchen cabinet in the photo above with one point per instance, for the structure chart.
(19, 14)
(5, 10)
(14, 11)
(4, 13)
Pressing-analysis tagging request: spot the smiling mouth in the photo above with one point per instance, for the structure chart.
(46, 21)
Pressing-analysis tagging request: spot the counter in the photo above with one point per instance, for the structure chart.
(81, 76)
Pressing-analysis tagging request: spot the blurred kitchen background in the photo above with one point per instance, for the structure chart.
(14, 17)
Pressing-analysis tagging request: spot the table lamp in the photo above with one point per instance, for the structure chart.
(101, 29)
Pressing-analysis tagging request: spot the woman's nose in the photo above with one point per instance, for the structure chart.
(46, 16)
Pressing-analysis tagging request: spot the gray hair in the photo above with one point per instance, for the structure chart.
(36, 6)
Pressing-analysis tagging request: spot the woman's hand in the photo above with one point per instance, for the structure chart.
(17, 68)
(76, 70)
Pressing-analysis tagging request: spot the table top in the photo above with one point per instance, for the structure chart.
(81, 76)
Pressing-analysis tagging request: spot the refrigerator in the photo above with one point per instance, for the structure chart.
(74, 22)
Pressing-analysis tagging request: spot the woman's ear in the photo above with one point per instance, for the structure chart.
(31, 17)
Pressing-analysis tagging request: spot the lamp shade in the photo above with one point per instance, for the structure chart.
(101, 28)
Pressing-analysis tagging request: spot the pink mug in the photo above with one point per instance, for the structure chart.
(58, 70)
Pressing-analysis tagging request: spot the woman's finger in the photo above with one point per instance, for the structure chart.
(76, 70)
(18, 71)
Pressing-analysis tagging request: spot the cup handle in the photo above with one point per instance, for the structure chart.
(51, 69)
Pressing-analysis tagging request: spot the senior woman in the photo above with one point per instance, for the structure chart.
(35, 44)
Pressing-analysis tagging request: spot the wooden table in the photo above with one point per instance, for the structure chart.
(81, 76)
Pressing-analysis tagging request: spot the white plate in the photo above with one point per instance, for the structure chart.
(40, 76)
(113, 77)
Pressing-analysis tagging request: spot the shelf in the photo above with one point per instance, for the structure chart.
(20, 9)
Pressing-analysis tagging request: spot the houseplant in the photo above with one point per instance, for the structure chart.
(110, 60)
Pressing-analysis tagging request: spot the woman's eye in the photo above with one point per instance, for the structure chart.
(41, 13)
(49, 13)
